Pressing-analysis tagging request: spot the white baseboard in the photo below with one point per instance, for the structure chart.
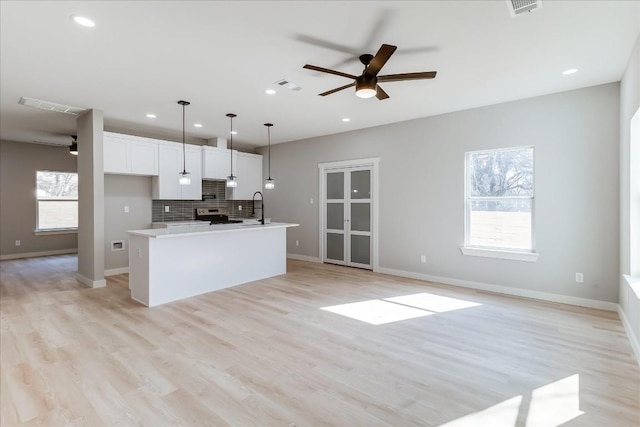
(635, 343)
(38, 254)
(115, 271)
(304, 258)
(545, 296)
(91, 283)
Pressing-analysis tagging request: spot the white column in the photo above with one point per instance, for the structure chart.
(91, 243)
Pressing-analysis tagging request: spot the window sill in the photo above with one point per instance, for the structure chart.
(54, 232)
(501, 254)
(634, 283)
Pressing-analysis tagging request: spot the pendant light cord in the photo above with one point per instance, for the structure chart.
(184, 152)
(269, 134)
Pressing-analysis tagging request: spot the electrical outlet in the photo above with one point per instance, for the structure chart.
(311, 201)
(423, 258)
(579, 278)
(18, 242)
(166, 208)
(297, 242)
(139, 252)
(126, 209)
(239, 207)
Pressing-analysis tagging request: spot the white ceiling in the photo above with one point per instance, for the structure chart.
(144, 56)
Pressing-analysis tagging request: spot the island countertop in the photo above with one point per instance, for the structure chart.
(194, 230)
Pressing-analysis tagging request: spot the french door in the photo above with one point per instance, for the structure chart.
(347, 216)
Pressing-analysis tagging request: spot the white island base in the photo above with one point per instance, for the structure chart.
(171, 264)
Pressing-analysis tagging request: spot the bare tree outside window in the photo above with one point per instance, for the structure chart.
(500, 192)
(57, 200)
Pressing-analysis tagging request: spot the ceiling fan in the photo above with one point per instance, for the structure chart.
(367, 83)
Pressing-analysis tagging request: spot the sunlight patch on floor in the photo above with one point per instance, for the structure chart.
(551, 405)
(431, 302)
(504, 414)
(556, 403)
(381, 311)
(377, 312)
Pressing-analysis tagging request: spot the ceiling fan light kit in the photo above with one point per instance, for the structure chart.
(367, 83)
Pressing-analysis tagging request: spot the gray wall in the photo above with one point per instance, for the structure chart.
(18, 165)
(121, 191)
(575, 135)
(629, 103)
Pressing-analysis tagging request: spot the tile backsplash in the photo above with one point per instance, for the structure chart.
(213, 195)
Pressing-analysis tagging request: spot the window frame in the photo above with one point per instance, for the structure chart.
(58, 230)
(497, 251)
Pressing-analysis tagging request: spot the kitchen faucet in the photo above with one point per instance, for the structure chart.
(253, 206)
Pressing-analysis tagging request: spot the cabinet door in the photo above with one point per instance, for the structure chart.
(115, 155)
(249, 176)
(216, 162)
(143, 158)
(193, 191)
(165, 185)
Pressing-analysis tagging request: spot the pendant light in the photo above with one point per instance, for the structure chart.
(269, 184)
(185, 178)
(231, 179)
(73, 148)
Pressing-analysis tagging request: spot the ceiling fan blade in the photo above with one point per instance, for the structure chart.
(329, 92)
(380, 93)
(326, 44)
(381, 58)
(407, 76)
(326, 70)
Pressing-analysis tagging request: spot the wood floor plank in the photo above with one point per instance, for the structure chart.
(271, 353)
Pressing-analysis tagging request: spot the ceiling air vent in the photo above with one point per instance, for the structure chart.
(518, 7)
(287, 84)
(51, 106)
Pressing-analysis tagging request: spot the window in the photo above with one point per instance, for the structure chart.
(57, 200)
(499, 200)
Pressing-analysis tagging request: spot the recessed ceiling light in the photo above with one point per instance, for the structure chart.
(233, 132)
(346, 119)
(85, 22)
(270, 92)
(151, 116)
(569, 71)
(198, 125)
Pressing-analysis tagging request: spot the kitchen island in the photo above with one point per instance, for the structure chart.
(169, 264)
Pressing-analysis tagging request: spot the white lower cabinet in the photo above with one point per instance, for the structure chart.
(165, 185)
(130, 155)
(248, 169)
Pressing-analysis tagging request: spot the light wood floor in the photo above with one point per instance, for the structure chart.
(266, 354)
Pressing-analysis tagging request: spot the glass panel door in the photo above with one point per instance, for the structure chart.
(347, 217)
(360, 218)
(335, 218)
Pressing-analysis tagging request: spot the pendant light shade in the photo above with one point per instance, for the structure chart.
(184, 176)
(269, 183)
(232, 182)
(73, 148)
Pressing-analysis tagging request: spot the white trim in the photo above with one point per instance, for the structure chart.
(56, 231)
(501, 254)
(91, 283)
(305, 258)
(38, 254)
(116, 271)
(349, 163)
(545, 296)
(635, 342)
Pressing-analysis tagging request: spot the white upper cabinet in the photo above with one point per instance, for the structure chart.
(216, 162)
(248, 169)
(130, 155)
(165, 186)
